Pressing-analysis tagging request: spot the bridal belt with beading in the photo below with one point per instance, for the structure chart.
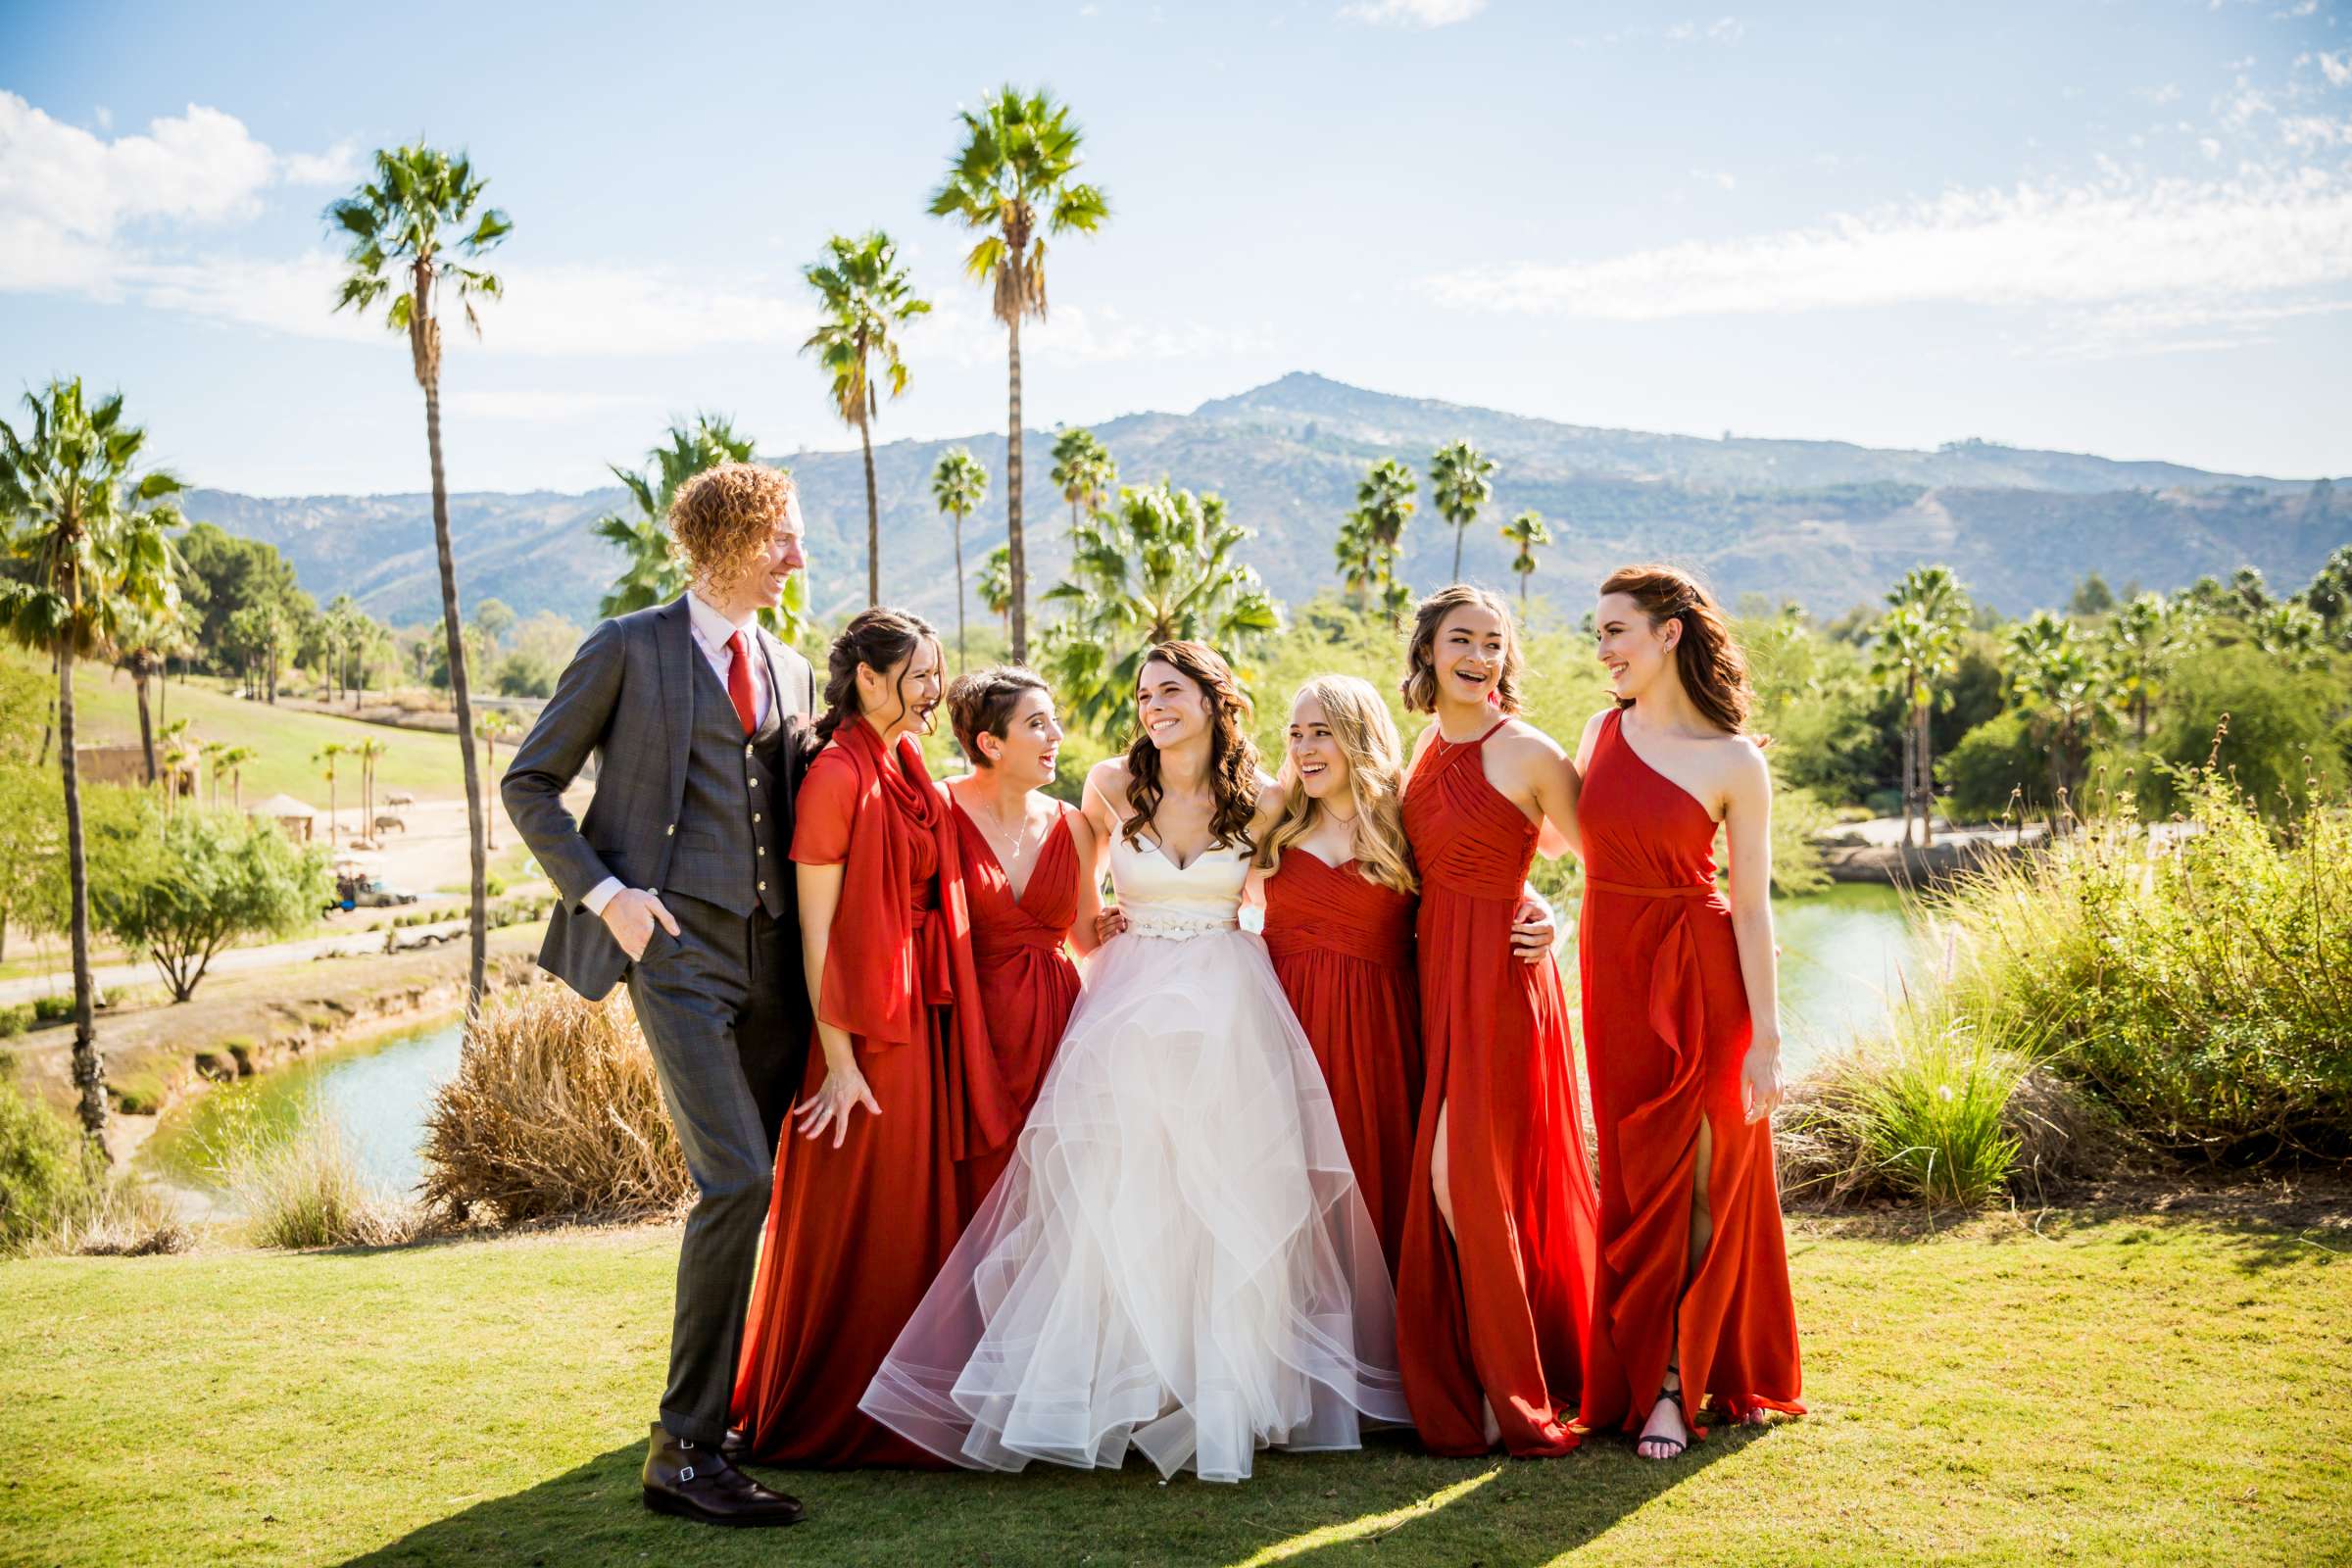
(1177, 927)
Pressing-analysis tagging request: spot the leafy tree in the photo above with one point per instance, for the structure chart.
(2267, 728)
(2056, 679)
(2330, 595)
(1997, 764)
(493, 619)
(223, 573)
(866, 299)
(2292, 634)
(2143, 641)
(1384, 504)
(1527, 534)
(1158, 564)
(1015, 181)
(995, 585)
(30, 812)
(1917, 648)
(1460, 482)
(204, 880)
(2253, 595)
(85, 544)
(2092, 598)
(402, 227)
(959, 485)
(1084, 471)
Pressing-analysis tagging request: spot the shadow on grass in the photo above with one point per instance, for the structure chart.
(1312, 1509)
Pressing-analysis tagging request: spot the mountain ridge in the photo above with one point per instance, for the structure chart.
(1822, 522)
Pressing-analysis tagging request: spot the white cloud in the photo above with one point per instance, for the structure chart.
(2210, 242)
(1721, 179)
(2336, 67)
(1411, 12)
(339, 165)
(1723, 30)
(2169, 93)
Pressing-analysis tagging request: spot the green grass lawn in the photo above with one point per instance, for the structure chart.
(2161, 1392)
(424, 765)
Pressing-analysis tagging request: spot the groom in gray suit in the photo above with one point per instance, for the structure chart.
(679, 879)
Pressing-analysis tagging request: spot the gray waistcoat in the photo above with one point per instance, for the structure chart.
(727, 851)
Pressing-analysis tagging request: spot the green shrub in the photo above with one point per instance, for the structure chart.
(41, 1170)
(298, 1186)
(137, 1094)
(2200, 985)
(56, 1008)
(16, 1020)
(1996, 767)
(2273, 725)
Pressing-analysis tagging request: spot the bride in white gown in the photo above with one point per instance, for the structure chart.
(1177, 1258)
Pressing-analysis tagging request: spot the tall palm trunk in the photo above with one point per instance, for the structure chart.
(331, 844)
(960, 655)
(139, 681)
(476, 827)
(1910, 752)
(1927, 778)
(1018, 563)
(873, 516)
(1458, 532)
(489, 819)
(89, 1067)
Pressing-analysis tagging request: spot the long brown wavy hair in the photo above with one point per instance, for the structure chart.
(1713, 669)
(1420, 685)
(1360, 722)
(1232, 755)
(879, 639)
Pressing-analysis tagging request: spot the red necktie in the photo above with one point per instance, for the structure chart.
(739, 685)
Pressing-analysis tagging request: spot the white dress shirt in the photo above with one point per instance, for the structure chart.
(710, 633)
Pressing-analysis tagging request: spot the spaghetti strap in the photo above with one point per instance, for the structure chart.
(1491, 729)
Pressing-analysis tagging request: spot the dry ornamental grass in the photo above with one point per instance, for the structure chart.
(554, 1112)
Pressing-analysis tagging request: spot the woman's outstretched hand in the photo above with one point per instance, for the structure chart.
(1532, 930)
(1109, 923)
(1760, 1086)
(842, 1091)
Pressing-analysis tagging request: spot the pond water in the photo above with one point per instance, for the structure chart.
(1841, 953)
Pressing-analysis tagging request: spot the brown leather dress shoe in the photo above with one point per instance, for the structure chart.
(694, 1481)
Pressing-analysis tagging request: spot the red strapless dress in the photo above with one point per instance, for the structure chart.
(1666, 1029)
(1342, 948)
(1028, 983)
(1499, 1309)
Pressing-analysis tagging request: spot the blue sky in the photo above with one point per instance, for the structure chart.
(2111, 225)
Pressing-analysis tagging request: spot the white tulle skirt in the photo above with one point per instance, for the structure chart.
(1176, 1259)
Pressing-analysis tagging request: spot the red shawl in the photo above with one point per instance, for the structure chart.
(877, 984)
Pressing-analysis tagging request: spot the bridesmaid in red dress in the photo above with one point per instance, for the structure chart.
(1495, 1288)
(1682, 1030)
(1024, 856)
(865, 1206)
(1339, 892)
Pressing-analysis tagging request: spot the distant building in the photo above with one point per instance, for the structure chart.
(126, 764)
(290, 814)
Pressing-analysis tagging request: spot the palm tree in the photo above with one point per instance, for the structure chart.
(493, 724)
(959, 485)
(2144, 639)
(1358, 557)
(323, 760)
(368, 751)
(84, 543)
(2057, 678)
(174, 747)
(1158, 564)
(1459, 484)
(1917, 648)
(1013, 180)
(996, 586)
(1528, 534)
(402, 227)
(1084, 471)
(866, 298)
(231, 761)
(210, 752)
(1384, 503)
(138, 648)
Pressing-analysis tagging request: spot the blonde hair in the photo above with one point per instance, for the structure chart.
(1420, 686)
(1367, 736)
(721, 519)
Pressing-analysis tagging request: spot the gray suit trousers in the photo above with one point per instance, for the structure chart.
(730, 1056)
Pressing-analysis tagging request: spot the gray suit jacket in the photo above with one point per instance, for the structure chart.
(627, 696)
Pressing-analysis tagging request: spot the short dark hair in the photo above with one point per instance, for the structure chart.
(982, 704)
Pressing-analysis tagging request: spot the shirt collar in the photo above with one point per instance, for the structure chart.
(715, 628)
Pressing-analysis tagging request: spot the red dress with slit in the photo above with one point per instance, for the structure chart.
(1028, 983)
(855, 1234)
(1342, 948)
(1666, 1030)
(1497, 1309)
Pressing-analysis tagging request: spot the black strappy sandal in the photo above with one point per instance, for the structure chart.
(1674, 1445)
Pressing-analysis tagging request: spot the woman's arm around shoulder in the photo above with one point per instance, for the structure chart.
(1536, 774)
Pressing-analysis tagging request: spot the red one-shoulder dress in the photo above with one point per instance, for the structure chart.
(1342, 948)
(1666, 1029)
(1028, 982)
(1497, 1309)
